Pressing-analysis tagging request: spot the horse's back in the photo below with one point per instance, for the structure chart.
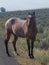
(14, 20)
(14, 23)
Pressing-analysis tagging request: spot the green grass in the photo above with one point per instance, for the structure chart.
(2, 27)
(42, 56)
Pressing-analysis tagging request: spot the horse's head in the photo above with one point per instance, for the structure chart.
(31, 17)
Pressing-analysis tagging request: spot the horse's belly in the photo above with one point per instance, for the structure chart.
(19, 32)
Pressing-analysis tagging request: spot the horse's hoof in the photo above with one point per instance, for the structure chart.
(31, 57)
(17, 54)
(9, 55)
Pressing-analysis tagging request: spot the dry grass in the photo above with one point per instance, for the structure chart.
(41, 56)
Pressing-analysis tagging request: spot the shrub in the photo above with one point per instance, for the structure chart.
(44, 43)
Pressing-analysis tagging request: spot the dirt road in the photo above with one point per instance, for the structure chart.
(4, 59)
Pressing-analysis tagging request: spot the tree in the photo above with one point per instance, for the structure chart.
(2, 9)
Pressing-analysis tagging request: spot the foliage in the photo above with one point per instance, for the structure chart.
(3, 9)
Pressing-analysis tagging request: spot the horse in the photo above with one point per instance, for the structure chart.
(21, 28)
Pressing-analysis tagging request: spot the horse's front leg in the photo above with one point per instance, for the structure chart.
(32, 46)
(14, 44)
(28, 44)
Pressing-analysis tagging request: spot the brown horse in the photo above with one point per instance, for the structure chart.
(21, 28)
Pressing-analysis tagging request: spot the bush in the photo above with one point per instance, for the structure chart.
(36, 44)
(44, 43)
(38, 38)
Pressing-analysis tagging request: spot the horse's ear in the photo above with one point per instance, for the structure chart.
(33, 12)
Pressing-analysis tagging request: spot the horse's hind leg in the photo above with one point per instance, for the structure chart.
(8, 34)
(14, 44)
